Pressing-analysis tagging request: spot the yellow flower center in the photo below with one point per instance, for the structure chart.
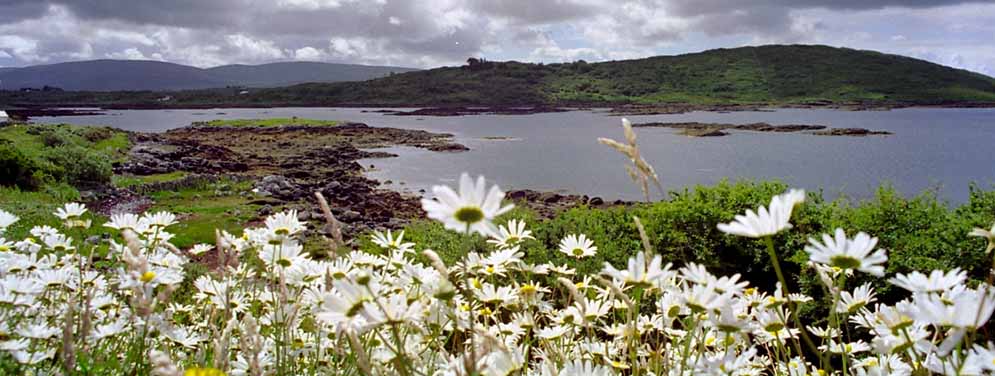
(527, 290)
(469, 214)
(148, 276)
(203, 372)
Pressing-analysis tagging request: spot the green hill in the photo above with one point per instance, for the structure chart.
(778, 74)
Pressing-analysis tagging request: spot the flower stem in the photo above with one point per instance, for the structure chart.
(784, 287)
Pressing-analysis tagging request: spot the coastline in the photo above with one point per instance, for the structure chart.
(27, 111)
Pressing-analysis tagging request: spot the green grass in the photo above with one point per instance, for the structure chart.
(128, 181)
(115, 145)
(203, 208)
(274, 122)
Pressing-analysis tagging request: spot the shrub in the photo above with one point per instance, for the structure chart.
(54, 138)
(16, 169)
(80, 166)
(96, 134)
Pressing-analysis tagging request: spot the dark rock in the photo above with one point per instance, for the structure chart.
(858, 132)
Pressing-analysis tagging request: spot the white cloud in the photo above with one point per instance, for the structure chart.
(308, 54)
(254, 50)
(128, 54)
(550, 51)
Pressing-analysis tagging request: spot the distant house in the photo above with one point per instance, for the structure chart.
(243, 92)
(165, 99)
(3, 116)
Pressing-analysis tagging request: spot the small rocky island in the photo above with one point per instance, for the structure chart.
(696, 129)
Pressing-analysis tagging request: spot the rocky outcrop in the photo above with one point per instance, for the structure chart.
(547, 204)
(857, 132)
(695, 129)
(461, 111)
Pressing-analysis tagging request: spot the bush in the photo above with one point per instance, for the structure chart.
(16, 169)
(96, 134)
(79, 166)
(54, 138)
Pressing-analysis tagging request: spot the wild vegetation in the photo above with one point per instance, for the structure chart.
(774, 74)
(519, 303)
(686, 285)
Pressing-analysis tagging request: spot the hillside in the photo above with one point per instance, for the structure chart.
(114, 75)
(747, 74)
(776, 74)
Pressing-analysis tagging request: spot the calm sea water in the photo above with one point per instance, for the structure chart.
(943, 150)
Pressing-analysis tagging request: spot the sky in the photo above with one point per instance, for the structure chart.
(431, 33)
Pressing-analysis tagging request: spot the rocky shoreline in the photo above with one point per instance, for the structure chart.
(288, 164)
(696, 129)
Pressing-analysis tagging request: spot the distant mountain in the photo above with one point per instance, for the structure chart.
(125, 75)
(284, 74)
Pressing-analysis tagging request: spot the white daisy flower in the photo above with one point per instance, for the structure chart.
(471, 210)
(578, 246)
(388, 241)
(766, 222)
(510, 235)
(72, 210)
(201, 248)
(848, 254)
(852, 302)
(125, 221)
(6, 219)
(285, 223)
(638, 272)
(936, 282)
(584, 368)
(160, 219)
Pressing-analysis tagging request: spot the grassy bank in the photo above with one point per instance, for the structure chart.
(268, 123)
(47, 165)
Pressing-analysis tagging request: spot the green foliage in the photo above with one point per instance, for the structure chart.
(37, 154)
(80, 166)
(16, 169)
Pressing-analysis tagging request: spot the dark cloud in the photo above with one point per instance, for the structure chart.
(707, 7)
(15, 10)
(183, 13)
(405, 32)
(545, 11)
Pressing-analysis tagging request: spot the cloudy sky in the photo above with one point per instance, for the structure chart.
(428, 33)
